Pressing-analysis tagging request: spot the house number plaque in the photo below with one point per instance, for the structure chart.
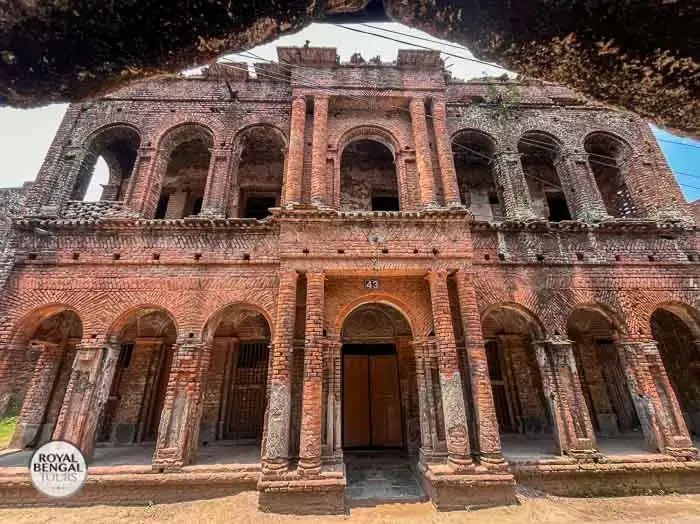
(372, 283)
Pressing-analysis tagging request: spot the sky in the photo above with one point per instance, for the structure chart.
(25, 134)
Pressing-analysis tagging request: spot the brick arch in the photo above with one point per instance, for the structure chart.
(216, 317)
(687, 313)
(128, 315)
(243, 130)
(369, 132)
(480, 132)
(531, 135)
(27, 324)
(182, 131)
(519, 309)
(625, 142)
(612, 316)
(418, 327)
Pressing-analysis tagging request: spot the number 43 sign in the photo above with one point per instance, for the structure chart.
(371, 283)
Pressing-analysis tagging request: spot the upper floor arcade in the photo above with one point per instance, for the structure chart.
(237, 141)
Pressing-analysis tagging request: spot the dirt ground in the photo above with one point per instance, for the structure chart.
(242, 508)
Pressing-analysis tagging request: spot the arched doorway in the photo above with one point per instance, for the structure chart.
(473, 153)
(521, 411)
(608, 158)
(603, 381)
(380, 408)
(539, 153)
(677, 331)
(368, 178)
(260, 171)
(133, 409)
(41, 371)
(236, 384)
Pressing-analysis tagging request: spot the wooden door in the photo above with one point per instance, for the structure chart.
(384, 402)
(356, 410)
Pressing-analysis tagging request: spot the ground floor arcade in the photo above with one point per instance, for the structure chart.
(415, 367)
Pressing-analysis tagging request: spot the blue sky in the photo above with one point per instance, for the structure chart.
(25, 134)
(683, 155)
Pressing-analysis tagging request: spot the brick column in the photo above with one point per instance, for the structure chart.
(7, 358)
(488, 435)
(582, 192)
(654, 399)
(426, 412)
(319, 147)
(426, 178)
(179, 423)
(564, 395)
(333, 454)
(448, 174)
(295, 158)
(36, 401)
(310, 438)
(275, 448)
(86, 395)
(511, 182)
(456, 432)
(216, 190)
(141, 198)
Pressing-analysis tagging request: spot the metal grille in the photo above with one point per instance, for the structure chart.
(249, 391)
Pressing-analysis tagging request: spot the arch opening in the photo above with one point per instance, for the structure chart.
(42, 366)
(473, 153)
(516, 381)
(608, 157)
(260, 171)
(603, 381)
(132, 413)
(676, 331)
(379, 384)
(368, 177)
(539, 154)
(235, 396)
(185, 178)
(107, 166)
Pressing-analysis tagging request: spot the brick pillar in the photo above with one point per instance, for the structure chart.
(426, 178)
(141, 197)
(488, 435)
(295, 158)
(312, 401)
(654, 400)
(582, 192)
(276, 439)
(333, 454)
(426, 411)
(319, 147)
(511, 182)
(456, 432)
(7, 358)
(448, 174)
(564, 396)
(36, 401)
(86, 395)
(216, 191)
(179, 423)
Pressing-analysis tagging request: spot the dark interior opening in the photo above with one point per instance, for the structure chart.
(385, 203)
(558, 210)
(162, 206)
(257, 206)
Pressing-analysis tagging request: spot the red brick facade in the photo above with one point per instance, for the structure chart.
(534, 267)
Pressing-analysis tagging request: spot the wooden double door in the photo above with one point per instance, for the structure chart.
(371, 399)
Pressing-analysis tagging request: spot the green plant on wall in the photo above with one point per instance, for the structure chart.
(503, 96)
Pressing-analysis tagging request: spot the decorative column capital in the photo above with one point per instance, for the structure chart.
(437, 275)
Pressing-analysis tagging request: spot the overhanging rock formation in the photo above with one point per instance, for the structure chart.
(640, 56)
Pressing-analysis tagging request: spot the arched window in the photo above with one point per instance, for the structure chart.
(538, 154)
(182, 189)
(473, 153)
(368, 179)
(260, 171)
(608, 157)
(106, 168)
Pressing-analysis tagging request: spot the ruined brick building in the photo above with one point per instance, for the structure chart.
(495, 280)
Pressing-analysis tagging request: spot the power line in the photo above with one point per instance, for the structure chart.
(460, 47)
(678, 142)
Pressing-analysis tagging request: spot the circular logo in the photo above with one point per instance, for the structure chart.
(58, 469)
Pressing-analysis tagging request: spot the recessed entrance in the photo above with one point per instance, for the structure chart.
(371, 399)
